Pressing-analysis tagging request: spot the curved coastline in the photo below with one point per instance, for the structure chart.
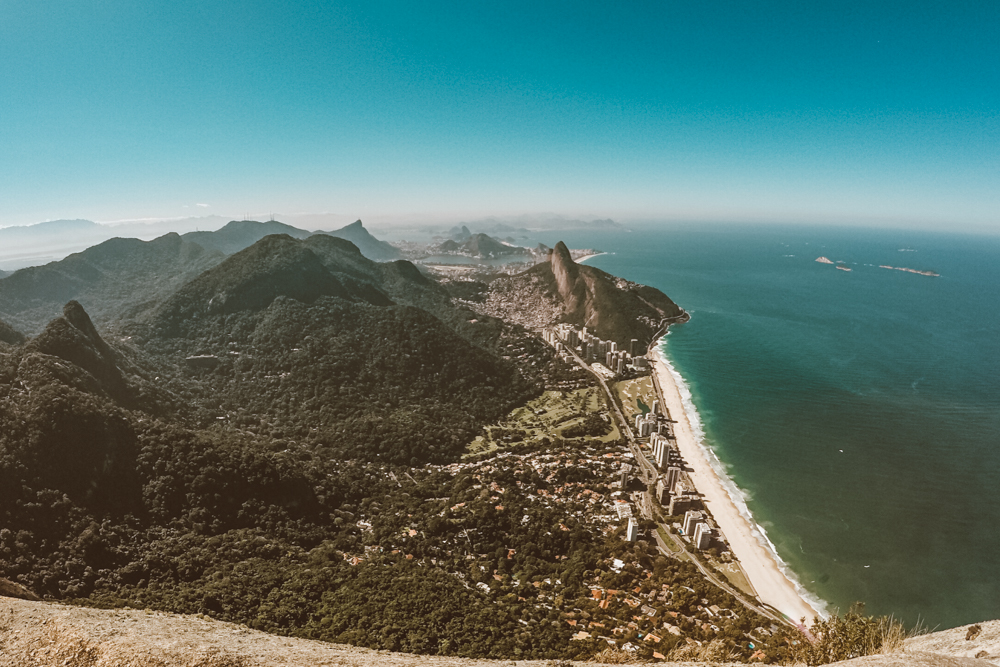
(586, 257)
(769, 575)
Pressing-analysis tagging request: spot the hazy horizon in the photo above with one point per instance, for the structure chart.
(390, 111)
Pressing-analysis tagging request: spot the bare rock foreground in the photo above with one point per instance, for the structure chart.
(43, 634)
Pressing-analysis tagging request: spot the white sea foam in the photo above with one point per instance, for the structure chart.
(736, 494)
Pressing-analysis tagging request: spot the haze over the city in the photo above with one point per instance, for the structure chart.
(871, 113)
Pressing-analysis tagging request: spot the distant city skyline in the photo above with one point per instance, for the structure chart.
(396, 112)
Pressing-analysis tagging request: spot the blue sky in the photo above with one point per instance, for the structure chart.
(786, 110)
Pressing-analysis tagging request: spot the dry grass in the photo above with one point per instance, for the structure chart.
(614, 656)
(855, 635)
(713, 652)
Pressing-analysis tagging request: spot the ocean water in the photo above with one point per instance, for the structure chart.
(858, 412)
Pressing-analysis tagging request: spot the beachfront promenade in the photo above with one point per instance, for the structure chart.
(790, 607)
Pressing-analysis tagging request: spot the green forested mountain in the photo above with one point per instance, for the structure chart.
(10, 335)
(112, 280)
(370, 247)
(308, 380)
(240, 234)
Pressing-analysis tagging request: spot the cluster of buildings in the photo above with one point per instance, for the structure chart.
(596, 351)
(697, 528)
(652, 423)
(673, 489)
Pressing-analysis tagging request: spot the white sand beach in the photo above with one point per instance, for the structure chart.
(772, 586)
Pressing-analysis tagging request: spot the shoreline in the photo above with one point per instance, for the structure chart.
(760, 564)
(591, 256)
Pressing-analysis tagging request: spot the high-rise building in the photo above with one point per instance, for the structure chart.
(661, 450)
(673, 474)
(691, 519)
(626, 473)
(681, 503)
(662, 492)
(632, 532)
(633, 348)
(702, 536)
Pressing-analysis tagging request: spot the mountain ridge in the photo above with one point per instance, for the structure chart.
(482, 246)
(111, 279)
(239, 235)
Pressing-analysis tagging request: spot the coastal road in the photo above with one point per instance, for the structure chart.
(645, 465)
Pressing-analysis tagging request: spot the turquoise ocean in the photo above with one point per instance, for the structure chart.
(858, 412)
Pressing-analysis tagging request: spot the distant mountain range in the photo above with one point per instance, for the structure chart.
(121, 277)
(111, 279)
(34, 245)
(238, 235)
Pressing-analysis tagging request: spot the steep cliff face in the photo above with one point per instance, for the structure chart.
(560, 290)
(567, 275)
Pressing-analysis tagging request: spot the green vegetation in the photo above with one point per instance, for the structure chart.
(850, 636)
(668, 540)
(631, 392)
(115, 279)
(735, 575)
(554, 414)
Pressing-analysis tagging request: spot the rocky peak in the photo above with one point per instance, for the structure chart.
(74, 338)
(567, 275)
(78, 317)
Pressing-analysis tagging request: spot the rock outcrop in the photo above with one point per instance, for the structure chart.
(46, 635)
(560, 290)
